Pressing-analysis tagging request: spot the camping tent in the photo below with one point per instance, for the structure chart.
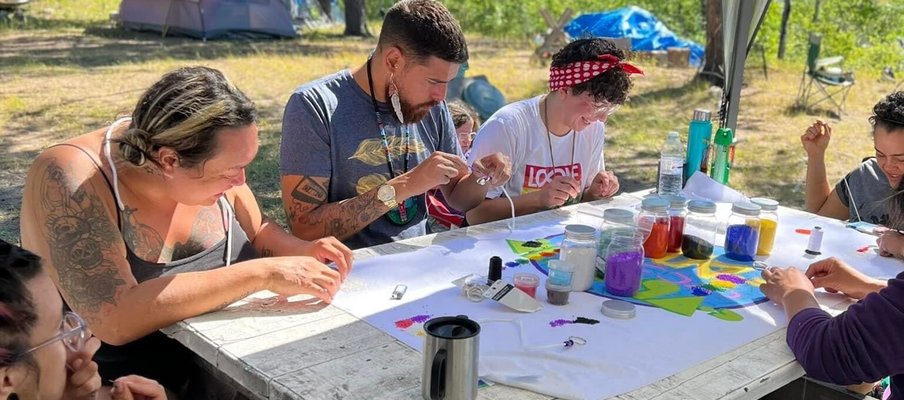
(645, 30)
(208, 19)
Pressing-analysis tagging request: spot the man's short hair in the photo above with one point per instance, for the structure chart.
(424, 28)
(613, 85)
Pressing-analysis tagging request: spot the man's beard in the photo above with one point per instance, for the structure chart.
(412, 113)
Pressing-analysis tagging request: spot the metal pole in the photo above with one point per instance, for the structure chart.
(739, 57)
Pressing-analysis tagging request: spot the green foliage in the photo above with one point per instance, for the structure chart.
(865, 32)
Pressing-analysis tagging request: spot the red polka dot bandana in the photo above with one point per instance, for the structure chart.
(579, 72)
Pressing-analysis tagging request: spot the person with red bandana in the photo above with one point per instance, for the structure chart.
(555, 141)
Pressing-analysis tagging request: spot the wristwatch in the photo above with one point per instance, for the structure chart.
(387, 195)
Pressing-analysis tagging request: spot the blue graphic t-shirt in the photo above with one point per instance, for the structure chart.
(330, 130)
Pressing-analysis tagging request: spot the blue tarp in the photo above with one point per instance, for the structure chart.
(645, 30)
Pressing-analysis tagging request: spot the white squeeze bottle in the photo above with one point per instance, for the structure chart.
(671, 165)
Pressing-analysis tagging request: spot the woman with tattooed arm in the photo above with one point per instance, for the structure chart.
(135, 221)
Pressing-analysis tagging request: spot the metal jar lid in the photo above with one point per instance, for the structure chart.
(745, 208)
(765, 204)
(654, 204)
(579, 231)
(702, 206)
(619, 215)
(676, 202)
(618, 309)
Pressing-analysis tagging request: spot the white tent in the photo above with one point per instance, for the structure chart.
(208, 19)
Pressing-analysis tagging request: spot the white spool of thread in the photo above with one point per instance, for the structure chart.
(815, 244)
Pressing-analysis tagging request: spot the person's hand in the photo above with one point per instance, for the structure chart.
(816, 138)
(134, 387)
(604, 185)
(438, 169)
(780, 282)
(557, 191)
(83, 381)
(891, 244)
(497, 166)
(330, 249)
(835, 276)
(290, 276)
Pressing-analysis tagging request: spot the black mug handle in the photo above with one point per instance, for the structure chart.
(438, 376)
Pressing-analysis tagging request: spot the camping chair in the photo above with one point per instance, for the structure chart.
(823, 79)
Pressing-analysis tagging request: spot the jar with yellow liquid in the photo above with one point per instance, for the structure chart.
(768, 224)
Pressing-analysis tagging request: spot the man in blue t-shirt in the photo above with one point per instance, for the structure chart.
(361, 147)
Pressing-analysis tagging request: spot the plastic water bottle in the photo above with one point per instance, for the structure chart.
(671, 165)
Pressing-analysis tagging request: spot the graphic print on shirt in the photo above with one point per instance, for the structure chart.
(370, 151)
(536, 176)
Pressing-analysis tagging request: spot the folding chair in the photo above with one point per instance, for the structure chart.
(823, 79)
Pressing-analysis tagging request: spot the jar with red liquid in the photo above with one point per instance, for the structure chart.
(653, 220)
(677, 216)
(527, 282)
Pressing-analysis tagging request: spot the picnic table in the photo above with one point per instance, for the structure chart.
(307, 350)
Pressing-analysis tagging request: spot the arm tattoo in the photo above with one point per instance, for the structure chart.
(82, 240)
(342, 219)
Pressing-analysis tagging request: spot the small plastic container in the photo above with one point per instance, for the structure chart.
(579, 250)
(616, 221)
(677, 215)
(768, 224)
(653, 220)
(527, 282)
(700, 228)
(558, 284)
(743, 233)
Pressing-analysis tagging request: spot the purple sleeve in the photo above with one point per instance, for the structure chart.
(863, 344)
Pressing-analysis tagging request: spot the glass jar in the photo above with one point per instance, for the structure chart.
(579, 250)
(743, 232)
(616, 221)
(624, 265)
(768, 224)
(700, 229)
(558, 284)
(677, 214)
(653, 220)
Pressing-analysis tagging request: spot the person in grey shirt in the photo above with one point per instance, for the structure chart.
(361, 147)
(869, 193)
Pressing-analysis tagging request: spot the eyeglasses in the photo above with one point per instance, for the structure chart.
(73, 333)
(606, 109)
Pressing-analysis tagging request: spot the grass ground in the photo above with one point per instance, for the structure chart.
(68, 72)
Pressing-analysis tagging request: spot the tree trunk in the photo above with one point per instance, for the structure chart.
(816, 11)
(714, 57)
(356, 18)
(327, 9)
(783, 34)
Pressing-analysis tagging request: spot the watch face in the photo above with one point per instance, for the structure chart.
(386, 193)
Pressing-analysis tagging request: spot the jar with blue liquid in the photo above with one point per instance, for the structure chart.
(743, 233)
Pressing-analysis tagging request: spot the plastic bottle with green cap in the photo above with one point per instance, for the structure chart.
(723, 140)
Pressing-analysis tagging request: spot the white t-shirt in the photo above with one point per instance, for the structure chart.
(517, 131)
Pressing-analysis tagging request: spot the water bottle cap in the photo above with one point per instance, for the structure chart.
(724, 137)
(745, 208)
(672, 135)
(702, 115)
(765, 204)
(702, 206)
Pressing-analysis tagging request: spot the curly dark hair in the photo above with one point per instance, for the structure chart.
(424, 28)
(17, 310)
(888, 113)
(462, 113)
(613, 85)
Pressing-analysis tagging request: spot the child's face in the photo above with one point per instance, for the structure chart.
(466, 134)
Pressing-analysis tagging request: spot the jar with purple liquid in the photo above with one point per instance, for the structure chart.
(624, 265)
(743, 233)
